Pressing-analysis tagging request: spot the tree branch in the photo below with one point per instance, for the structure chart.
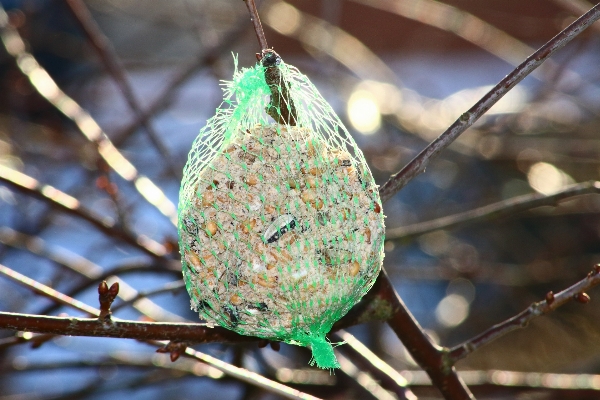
(427, 354)
(124, 329)
(379, 369)
(417, 165)
(552, 302)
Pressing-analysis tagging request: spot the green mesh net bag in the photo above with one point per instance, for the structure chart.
(281, 228)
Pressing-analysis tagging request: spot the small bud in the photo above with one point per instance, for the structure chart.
(275, 346)
(582, 298)
(114, 290)
(549, 297)
(103, 288)
(174, 356)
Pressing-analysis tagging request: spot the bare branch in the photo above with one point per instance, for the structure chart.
(552, 302)
(367, 360)
(46, 291)
(428, 355)
(417, 165)
(492, 211)
(250, 377)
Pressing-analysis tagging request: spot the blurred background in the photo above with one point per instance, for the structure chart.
(398, 72)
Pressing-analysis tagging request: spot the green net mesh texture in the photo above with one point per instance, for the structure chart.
(281, 228)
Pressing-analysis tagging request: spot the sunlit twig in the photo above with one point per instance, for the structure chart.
(66, 203)
(249, 377)
(111, 62)
(47, 88)
(389, 377)
(46, 291)
(363, 379)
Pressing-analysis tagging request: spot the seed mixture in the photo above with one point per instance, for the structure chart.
(281, 227)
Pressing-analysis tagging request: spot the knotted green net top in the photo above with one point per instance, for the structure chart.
(280, 222)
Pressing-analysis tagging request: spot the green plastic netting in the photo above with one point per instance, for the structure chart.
(281, 228)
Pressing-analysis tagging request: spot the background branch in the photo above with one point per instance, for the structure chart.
(417, 165)
(552, 302)
(492, 211)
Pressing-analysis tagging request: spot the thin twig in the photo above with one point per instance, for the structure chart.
(420, 162)
(260, 34)
(367, 360)
(552, 302)
(111, 62)
(46, 291)
(247, 376)
(171, 287)
(362, 378)
(492, 211)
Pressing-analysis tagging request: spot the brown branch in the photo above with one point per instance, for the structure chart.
(492, 211)
(254, 17)
(427, 354)
(552, 302)
(113, 66)
(124, 329)
(417, 165)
